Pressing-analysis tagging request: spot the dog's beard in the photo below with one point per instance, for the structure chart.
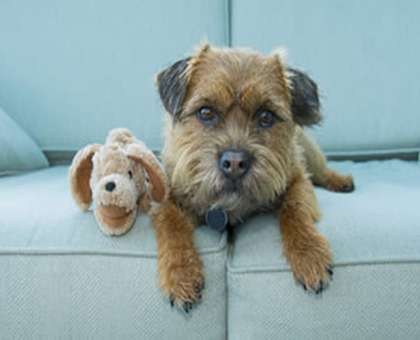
(197, 178)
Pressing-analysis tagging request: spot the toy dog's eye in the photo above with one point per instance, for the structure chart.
(207, 116)
(130, 174)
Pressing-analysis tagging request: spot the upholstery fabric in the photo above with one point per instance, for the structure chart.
(62, 278)
(362, 55)
(374, 234)
(72, 70)
(91, 64)
(18, 152)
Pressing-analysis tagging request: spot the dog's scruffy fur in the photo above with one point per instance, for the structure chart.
(235, 85)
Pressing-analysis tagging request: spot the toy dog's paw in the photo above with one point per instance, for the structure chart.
(184, 285)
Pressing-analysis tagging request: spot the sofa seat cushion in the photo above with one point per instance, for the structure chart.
(375, 237)
(62, 278)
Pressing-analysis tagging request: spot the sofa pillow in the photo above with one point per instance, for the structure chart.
(18, 152)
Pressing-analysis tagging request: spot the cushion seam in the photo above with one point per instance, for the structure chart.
(269, 269)
(222, 245)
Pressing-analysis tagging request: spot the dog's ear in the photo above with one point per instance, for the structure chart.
(305, 105)
(79, 174)
(159, 184)
(172, 85)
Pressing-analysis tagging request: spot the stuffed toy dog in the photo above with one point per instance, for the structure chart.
(120, 177)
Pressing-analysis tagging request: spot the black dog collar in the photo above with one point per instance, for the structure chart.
(217, 219)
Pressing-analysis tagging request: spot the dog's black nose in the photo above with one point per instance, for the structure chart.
(234, 163)
(110, 186)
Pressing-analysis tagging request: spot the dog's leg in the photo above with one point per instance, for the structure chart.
(306, 250)
(316, 165)
(179, 265)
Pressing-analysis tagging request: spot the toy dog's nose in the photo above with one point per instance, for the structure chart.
(110, 186)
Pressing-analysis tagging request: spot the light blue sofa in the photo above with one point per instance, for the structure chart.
(70, 71)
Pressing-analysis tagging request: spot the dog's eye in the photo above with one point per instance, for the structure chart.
(266, 119)
(130, 174)
(207, 116)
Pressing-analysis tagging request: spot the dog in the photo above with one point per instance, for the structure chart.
(235, 144)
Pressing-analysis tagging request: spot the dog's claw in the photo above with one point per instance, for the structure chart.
(187, 303)
(349, 187)
(320, 288)
(302, 284)
(330, 271)
(187, 307)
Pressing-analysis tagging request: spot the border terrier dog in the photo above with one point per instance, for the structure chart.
(235, 143)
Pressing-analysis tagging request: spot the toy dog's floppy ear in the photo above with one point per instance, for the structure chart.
(305, 103)
(80, 172)
(156, 174)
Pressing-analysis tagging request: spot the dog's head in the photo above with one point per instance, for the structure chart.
(231, 133)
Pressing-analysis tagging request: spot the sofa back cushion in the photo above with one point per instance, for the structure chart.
(18, 152)
(72, 70)
(363, 54)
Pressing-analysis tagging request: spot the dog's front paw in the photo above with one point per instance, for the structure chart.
(183, 282)
(312, 266)
(316, 279)
(185, 289)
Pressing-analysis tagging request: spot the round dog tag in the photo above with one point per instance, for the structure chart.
(217, 219)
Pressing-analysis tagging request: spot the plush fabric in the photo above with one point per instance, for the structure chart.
(91, 64)
(62, 278)
(375, 237)
(18, 152)
(360, 52)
